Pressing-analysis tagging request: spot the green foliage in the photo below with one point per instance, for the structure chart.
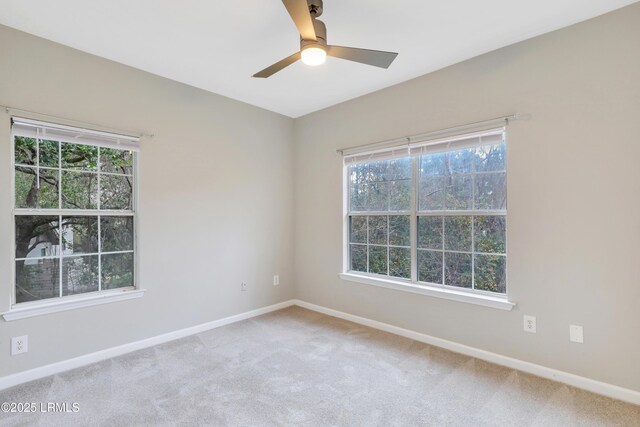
(462, 180)
(76, 185)
(458, 192)
(116, 161)
(490, 234)
(31, 230)
(36, 281)
(399, 230)
(117, 270)
(457, 233)
(387, 231)
(490, 273)
(116, 192)
(80, 275)
(458, 269)
(430, 232)
(380, 186)
(117, 233)
(378, 259)
(381, 231)
(491, 191)
(358, 258)
(358, 229)
(400, 262)
(48, 153)
(378, 230)
(24, 181)
(25, 151)
(77, 156)
(447, 179)
(79, 190)
(30, 195)
(430, 266)
(80, 234)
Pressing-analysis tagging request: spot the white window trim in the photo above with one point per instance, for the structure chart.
(69, 302)
(438, 291)
(486, 299)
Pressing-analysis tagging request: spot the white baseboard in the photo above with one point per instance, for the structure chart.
(76, 362)
(577, 381)
(584, 383)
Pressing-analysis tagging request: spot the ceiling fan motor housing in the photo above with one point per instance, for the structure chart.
(313, 42)
(315, 7)
(321, 36)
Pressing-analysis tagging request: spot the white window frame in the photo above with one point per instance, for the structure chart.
(472, 296)
(62, 303)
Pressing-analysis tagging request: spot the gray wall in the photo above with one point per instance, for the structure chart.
(573, 196)
(216, 203)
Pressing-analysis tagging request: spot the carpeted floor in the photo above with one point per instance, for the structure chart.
(298, 367)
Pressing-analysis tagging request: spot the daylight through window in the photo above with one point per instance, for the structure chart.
(74, 211)
(431, 214)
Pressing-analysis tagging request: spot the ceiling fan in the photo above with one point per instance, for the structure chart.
(313, 41)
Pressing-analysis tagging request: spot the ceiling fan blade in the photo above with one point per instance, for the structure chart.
(376, 58)
(272, 69)
(299, 11)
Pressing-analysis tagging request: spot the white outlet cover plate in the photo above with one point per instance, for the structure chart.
(19, 345)
(576, 334)
(276, 280)
(530, 324)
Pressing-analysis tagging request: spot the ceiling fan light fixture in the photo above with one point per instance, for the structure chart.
(313, 42)
(314, 55)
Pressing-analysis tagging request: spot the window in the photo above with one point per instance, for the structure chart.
(74, 211)
(431, 213)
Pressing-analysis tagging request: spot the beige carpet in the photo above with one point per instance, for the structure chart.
(297, 367)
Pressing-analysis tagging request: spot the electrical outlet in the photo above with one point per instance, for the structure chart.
(530, 324)
(276, 280)
(19, 345)
(243, 286)
(576, 334)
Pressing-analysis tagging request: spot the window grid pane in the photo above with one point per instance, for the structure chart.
(379, 244)
(59, 253)
(472, 237)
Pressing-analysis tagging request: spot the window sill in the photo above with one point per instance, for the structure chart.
(497, 302)
(24, 310)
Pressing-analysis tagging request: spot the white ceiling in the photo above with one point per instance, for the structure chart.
(218, 45)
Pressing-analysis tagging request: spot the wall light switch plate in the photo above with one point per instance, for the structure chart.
(19, 345)
(576, 334)
(530, 324)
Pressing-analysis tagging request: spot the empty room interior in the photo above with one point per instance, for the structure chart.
(320, 213)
